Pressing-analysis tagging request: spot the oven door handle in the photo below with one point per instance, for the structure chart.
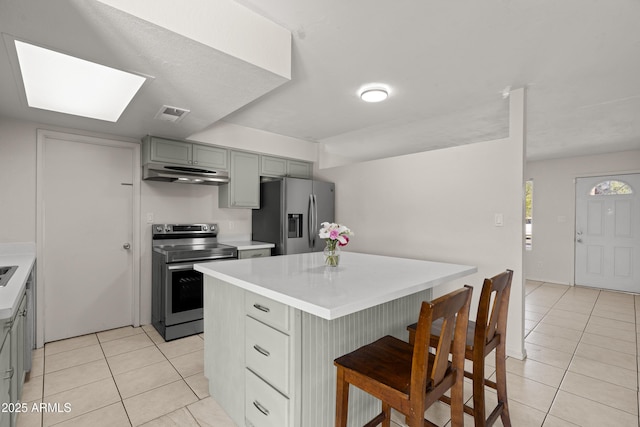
(177, 267)
(206, 258)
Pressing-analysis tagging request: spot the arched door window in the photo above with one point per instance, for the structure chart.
(611, 188)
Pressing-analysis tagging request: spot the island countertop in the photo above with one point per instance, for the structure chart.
(360, 281)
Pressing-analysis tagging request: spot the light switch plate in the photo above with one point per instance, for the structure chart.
(150, 218)
(498, 220)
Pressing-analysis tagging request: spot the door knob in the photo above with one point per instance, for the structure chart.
(127, 246)
(579, 240)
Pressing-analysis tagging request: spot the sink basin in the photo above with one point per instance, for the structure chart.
(6, 273)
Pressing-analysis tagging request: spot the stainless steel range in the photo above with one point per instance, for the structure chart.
(176, 287)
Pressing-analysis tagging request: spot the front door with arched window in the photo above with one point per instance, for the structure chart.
(607, 247)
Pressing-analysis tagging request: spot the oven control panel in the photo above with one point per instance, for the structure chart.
(184, 229)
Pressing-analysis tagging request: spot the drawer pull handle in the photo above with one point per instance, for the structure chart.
(260, 408)
(261, 350)
(261, 307)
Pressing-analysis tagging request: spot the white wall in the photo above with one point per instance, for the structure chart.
(440, 205)
(244, 138)
(551, 258)
(17, 181)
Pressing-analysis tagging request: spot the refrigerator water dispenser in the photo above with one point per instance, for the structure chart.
(294, 225)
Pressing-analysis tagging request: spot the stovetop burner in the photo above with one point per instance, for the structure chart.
(189, 242)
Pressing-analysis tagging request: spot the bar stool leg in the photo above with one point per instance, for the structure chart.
(342, 399)
(501, 383)
(479, 415)
(386, 410)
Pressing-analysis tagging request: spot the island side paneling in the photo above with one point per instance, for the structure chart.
(325, 340)
(224, 340)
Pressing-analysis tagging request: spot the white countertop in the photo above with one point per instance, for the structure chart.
(24, 256)
(360, 281)
(244, 245)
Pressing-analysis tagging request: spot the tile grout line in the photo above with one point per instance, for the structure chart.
(555, 396)
(113, 378)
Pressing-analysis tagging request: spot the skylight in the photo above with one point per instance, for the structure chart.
(66, 84)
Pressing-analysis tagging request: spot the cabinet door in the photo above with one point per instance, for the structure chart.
(272, 166)
(5, 380)
(17, 355)
(297, 169)
(212, 157)
(243, 190)
(20, 343)
(170, 151)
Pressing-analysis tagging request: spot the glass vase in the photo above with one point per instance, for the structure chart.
(331, 255)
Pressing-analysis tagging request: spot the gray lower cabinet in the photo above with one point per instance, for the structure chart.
(14, 360)
(253, 253)
(17, 351)
(243, 189)
(279, 167)
(5, 378)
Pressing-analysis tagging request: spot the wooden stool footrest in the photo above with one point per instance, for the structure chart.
(497, 411)
(491, 384)
(376, 421)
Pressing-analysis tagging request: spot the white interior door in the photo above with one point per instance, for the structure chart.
(87, 213)
(608, 232)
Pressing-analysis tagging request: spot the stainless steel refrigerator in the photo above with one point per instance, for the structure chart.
(290, 214)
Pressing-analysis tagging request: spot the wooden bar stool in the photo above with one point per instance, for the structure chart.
(484, 335)
(408, 377)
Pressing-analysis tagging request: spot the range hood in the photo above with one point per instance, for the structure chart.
(183, 174)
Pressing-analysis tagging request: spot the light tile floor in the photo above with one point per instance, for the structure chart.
(581, 370)
(122, 377)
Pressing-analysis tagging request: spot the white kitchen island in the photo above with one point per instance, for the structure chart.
(273, 327)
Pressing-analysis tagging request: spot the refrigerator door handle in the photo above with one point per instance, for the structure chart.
(310, 221)
(315, 219)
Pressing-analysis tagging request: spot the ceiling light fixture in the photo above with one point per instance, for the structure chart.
(374, 93)
(66, 84)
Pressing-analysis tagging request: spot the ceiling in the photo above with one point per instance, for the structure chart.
(448, 64)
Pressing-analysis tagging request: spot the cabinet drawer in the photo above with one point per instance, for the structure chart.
(267, 354)
(268, 311)
(263, 405)
(254, 253)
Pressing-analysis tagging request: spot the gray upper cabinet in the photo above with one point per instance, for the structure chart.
(278, 167)
(273, 166)
(298, 169)
(214, 157)
(183, 153)
(243, 190)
